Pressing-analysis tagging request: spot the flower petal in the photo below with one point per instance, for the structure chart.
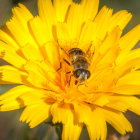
(118, 121)
(10, 100)
(106, 47)
(93, 119)
(133, 35)
(86, 10)
(47, 13)
(102, 21)
(5, 37)
(8, 54)
(65, 36)
(18, 26)
(11, 75)
(120, 19)
(126, 67)
(42, 75)
(35, 114)
(61, 8)
(63, 113)
(78, 14)
(124, 103)
(127, 89)
(131, 78)
(50, 49)
(40, 31)
(71, 131)
(88, 35)
(96, 125)
(31, 53)
(131, 103)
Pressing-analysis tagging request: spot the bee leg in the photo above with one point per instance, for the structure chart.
(70, 77)
(82, 84)
(61, 64)
(69, 80)
(76, 82)
(66, 61)
(64, 51)
(68, 72)
(59, 67)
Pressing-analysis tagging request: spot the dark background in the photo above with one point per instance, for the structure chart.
(10, 127)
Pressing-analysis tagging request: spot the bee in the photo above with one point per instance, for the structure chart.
(79, 63)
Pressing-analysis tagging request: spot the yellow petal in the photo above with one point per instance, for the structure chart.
(78, 14)
(11, 105)
(39, 77)
(18, 26)
(124, 68)
(40, 31)
(93, 119)
(10, 100)
(73, 25)
(85, 10)
(101, 101)
(61, 8)
(11, 75)
(129, 40)
(35, 114)
(27, 97)
(118, 121)
(88, 35)
(89, 9)
(63, 113)
(127, 89)
(38, 95)
(131, 78)
(117, 103)
(102, 20)
(64, 36)
(126, 56)
(132, 103)
(8, 54)
(5, 37)
(111, 40)
(123, 103)
(31, 53)
(51, 49)
(15, 92)
(71, 131)
(107, 51)
(47, 13)
(96, 125)
(120, 19)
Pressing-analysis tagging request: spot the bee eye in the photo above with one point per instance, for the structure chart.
(77, 73)
(88, 74)
(82, 74)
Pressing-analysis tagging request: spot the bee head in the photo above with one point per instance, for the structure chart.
(81, 74)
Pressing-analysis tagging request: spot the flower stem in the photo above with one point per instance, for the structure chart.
(58, 128)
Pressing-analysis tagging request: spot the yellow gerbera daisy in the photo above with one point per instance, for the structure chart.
(37, 49)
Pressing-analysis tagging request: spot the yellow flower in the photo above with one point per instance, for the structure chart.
(36, 47)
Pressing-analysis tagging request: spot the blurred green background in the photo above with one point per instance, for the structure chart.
(10, 127)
